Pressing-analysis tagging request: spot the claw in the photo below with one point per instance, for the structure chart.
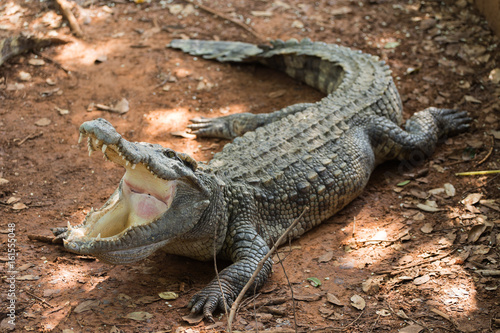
(80, 138)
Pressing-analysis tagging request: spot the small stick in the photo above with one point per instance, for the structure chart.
(52, 61)
(30, 137)
(259, 267)
(39, 299)
(41, 238)
(489, 152)
(66, 7)
(477, 173)
(404, 268)
(216, 13)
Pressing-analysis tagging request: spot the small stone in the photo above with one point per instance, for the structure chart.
(494, 76)
(24, 76)
(50, 82)
(36, 62)
(43, 122)
(297, 24)
(449, 189)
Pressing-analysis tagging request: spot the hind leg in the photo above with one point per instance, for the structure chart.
(232, 126)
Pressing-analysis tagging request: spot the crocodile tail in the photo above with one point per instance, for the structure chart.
(219, 50)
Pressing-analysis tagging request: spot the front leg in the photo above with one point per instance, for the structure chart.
(246, 249)
(232, 126)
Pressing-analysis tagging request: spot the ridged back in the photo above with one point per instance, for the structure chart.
(358, 86)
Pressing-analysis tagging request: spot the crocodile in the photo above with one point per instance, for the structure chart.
(18, 44)
(309, 157)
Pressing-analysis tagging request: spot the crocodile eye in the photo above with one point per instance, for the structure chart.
(169, 153)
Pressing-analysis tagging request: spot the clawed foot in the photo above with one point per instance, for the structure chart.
(60, 233)
(451, 121)
(211, 127)
(227, 127)
(211, 299)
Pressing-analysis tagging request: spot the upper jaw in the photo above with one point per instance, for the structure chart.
(145, 205)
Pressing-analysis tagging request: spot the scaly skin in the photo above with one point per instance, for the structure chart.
(15, 45)
(316, 155)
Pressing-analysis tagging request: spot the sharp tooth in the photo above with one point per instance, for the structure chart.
(133, 166)
(104, 148)
(98, 237)
(90, 151)
(127, 163)
(91, 209)
(97, 142)
(80, 138)
(69, 226)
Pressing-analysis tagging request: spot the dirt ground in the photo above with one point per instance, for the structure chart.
(417, 251)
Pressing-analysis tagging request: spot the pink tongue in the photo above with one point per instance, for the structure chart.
(147, 207)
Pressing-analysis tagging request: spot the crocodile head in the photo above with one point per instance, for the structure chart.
(159, 199)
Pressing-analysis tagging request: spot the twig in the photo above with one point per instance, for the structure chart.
(52, 61)
(41, 238)
(217, 270)
(477, 173)
(66, 7)
(294, 305)
(490, 151)
(30, 137)
(445, 316)
(216, 13)
(404, 268)
(488, 272)
(39, 299)
(405, 317)
(259, 267)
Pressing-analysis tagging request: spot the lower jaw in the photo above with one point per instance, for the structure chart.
(131, 255)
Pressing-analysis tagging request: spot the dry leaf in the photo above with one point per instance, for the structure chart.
(193, 318)
(307, 298)
(87, 305)
(19, 206)
(475, 232)
(437, 191)
(480, 249)
(411, 329)
(427, 228)
(372, 285)
(419, 217)
(472, 199)
(449, 189)
(276, 94)
(472, 99)
(421, 280)
(383, 313)
(168, 295)
(147, 299)
(326, 257)
(333, 299)
(27, 278)
(122, 106)
(12, 200)
(139, 315)
(427, 208)
(358, 302)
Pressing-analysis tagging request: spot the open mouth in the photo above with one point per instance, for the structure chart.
(140, 200)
